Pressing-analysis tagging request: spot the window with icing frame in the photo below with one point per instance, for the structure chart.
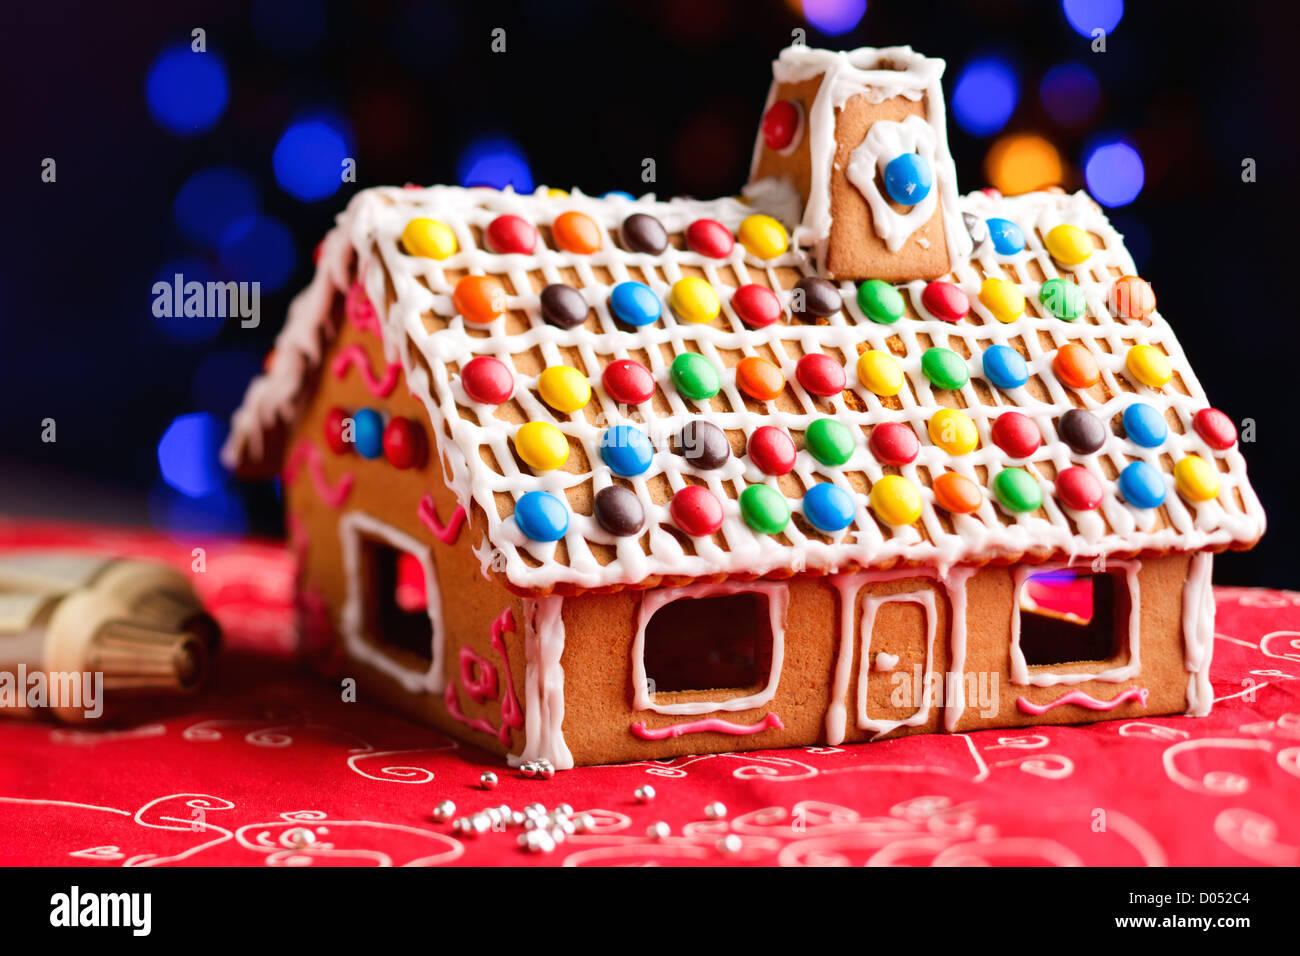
(1068, 616)
(396, 615)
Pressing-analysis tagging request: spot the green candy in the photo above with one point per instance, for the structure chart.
(1063, 299)
(1017, 490)
(695, 376)
(944, 368)
(880, 301)
(764, 509)
(829, 441)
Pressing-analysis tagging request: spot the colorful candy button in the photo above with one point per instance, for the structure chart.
(879, 372)
(757, 306)
(634, 303)
(1078, 488)
(1075, 366)
(487, 380)
(1017, 490)
(954, 431)
(828, 507)
(695, 376)
(772, 450)
(815, 298)
(710, 238)
(576, 232)
(908, 179)
(554, 193)
(480, 299)
(1215, 428)
(1003, 299)
(895, 500)
(542, 446)
(618, 511)
(1068, 244)
(820, 374)
(829, 441)
(626, 450)
(1081, 431)
(956, 493)
(1149, 365)
(1008, 238)
(404, 445)
(1144, 425)
(894, 443)
(1196, 479)
(563, 306)
(564, 388)
(429, 238)
(628, 382)
(693, 300)
(510, 234)
(781, 124)
(619, 194)
(880, 301)
(1004, 367)
(703, 445)
(696, 510)
(945, 301)
(1132, 298)
(764, 509)
(644, 233)
(368, 433)
(1141, 485)
(763, 236)
(758, 378)
(944, 368)
(1016, 434)
(1063, 299)
(541, 516)
(333, 428)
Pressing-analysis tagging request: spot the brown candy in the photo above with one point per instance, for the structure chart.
(1082, 431)
(702, 444)
(563, 306)
(642, 233)
(820, 298)
(618, 511)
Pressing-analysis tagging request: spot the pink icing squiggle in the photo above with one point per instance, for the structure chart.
(478, 675)
(447, 533)
(356, 355)
(511, 714)
(708, 724)
(359, 311)
(1084, 700)
(305, 450)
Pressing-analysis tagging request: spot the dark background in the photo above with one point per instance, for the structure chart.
(585, 91)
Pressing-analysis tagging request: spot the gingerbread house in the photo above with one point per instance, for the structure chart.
(598, 479)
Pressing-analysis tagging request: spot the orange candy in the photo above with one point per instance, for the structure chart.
(1075, 366)
(479, 299)
(758, 378)
(575, 232)
(1132, 298)
(956, 493)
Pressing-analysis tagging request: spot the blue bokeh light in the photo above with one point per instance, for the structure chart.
(215, 206)
(179, 327)
(288, 26)
(834, 17)
(221, 512)
(1114, 172)
(187, 91)
(188, 454)
(1088, 15)
(1070, 93)
(221, 378)
(264, 253)
(308, 159)
(985, 95)
(495, 161)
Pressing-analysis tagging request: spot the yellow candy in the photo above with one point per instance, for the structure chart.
(542, 446)
(1196, 478)
(1069, 244)
(564, 388)
(1003, 299)
(763, 236)
(954, 431)
(554, 193)
(429, 238)
(895, 500)
(1149, 365)
(694, 300)
(880, 372)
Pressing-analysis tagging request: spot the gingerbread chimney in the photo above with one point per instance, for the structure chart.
(853, 153)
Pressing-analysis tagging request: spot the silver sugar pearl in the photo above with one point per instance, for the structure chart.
(557, 834)
(645, 794)
(717, 810)
(444, 811)
(658, 831)
(528, 769)
(535, 809)
(564, 809)
(537, 841)
(487, 780)
(729, 845)
(585, 823)
(518, 818)
(481, 823)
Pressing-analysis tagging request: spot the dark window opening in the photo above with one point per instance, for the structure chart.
(713, 643)
(1069, 616)
(397, 611)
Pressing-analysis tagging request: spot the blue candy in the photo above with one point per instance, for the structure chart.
(635, 304)
(908, 179)
(619, 194)
(1004, 367)
(368, 433)
(626, 450)
(1007, 237)
(828, 507)
(542, 516)
(1145, 426)
(1141, 485)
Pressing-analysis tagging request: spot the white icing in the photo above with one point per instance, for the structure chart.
(885, 141)
(544, 684)
(1198, 633)
(886, 662)
(869, 608)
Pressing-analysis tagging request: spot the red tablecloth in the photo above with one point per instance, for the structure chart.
(270, 767)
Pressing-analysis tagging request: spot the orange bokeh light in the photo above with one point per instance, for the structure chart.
(1022, 162)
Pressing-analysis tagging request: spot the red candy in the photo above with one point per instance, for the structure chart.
(945, 301)
(894, 444)
(710, 238)
(1216, 428)
(628, 382)
(696, 510)
(820, 374)
(1016, 434)
(334, 431)
(780, 123)
(771, 450)
(1078, 488)
(403, 443)
(756, 305)
(487, 380)
(507, 234)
